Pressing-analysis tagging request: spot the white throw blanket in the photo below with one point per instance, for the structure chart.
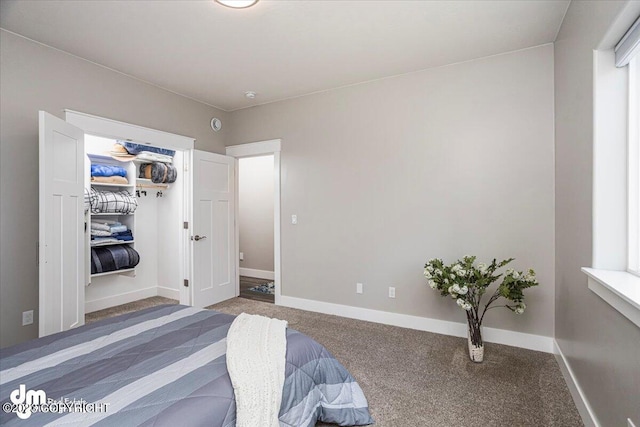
(256, 351)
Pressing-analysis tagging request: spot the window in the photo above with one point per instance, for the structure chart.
(633, 171)
(615, 272)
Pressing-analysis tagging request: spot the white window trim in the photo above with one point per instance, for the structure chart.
(633, 167)
(619, 288)
(609, 277)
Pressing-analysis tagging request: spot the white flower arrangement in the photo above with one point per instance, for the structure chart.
(467, 282)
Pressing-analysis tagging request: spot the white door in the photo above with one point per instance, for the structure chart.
(61, 242)
(212, 232)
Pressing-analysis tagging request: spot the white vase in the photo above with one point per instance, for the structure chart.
(476, 352)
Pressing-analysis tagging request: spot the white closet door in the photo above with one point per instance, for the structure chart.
(61, 243)
(213, 236)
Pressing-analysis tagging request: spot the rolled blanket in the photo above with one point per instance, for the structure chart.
(145, 171)
(111, 258)
(256, 350)
(159, 173)
(109, 180)
(107, 170)
(112, 202)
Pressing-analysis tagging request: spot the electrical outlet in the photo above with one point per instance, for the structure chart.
(392, 292)
(27, 318)
(359, 288)
(241, 256)
(294, 219)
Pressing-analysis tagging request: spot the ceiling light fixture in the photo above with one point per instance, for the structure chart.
(250, 94)
(237, 4)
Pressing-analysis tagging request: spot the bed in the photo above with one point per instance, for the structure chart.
(165, 366)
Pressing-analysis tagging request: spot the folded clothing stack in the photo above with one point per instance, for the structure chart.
(107, 231)
(159, 173)
(107, 174)
(112, 201)
(126, 150)
(112, 258)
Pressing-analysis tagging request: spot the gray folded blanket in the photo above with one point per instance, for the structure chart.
(113, 258)
(159, 173)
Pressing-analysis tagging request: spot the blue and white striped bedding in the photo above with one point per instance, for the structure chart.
(166, 366)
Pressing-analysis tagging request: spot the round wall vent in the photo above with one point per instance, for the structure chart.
(216, 124)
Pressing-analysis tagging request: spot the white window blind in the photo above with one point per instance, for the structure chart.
(629, 45)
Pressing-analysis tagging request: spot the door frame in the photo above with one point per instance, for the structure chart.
(108, 128)
(255, 149)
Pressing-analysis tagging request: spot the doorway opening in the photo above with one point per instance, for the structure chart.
(258, 219)
(255, 228)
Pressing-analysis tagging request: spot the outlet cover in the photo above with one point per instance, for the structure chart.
(392, 292)
(241, 256)
(359, 289)
(27, 318)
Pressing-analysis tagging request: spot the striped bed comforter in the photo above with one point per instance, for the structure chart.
(166, 366)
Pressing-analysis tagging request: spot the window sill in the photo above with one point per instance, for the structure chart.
(618, 288)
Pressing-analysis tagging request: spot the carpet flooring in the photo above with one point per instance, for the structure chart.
(127, 308)
(420, 379)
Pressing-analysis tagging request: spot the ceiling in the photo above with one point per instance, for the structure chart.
(279, 49)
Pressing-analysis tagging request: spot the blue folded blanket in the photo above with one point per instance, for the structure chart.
(125, 236)
(133, 148)
(107, 170)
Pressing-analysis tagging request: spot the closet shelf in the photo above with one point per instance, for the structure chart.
(124, 270)
(104, 184)
(121, 242)
(147, 183)
(111, 214)
(101, 157)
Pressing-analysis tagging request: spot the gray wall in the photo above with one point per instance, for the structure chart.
(34, 77)
(255, 194)
(441, 163)
(602, 346)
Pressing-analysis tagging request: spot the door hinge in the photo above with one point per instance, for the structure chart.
(185, 225)
(186, 283)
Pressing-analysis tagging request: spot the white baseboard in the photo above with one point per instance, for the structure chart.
(258, 274)
(498, 336)
(582, 404)
(102, 303)
(169, 293)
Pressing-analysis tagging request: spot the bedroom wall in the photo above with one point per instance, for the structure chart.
(439, 163)
(601, 345)
(35, 77)
(255, 203)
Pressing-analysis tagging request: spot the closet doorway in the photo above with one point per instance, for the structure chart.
(258, 224)
(173, 238)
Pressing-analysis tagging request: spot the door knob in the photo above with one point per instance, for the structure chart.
(198, 238)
